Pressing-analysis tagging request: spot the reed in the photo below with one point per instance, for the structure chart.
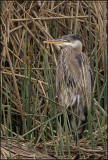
(28, 100)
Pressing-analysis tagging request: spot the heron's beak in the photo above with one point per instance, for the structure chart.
(55, 41)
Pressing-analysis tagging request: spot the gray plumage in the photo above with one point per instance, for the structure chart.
(70, 88)
(74, 79)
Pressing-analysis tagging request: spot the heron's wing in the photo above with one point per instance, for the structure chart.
(86, 71)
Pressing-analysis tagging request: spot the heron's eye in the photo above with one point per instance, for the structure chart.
(69, 40)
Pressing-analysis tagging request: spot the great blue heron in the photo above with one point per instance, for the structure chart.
(74, 79)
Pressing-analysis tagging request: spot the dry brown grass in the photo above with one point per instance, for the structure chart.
(43, 21)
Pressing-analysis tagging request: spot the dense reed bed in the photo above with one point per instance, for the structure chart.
(28, 103)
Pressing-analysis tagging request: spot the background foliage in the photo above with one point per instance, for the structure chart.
(28, 104)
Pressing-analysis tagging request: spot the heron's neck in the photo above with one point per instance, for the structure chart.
(69, 50)
(77, 46)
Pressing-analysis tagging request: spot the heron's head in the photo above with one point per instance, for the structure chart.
(67, 40)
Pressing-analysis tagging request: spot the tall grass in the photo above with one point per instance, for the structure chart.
(35, 75)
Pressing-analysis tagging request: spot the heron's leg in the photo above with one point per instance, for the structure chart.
(76, 140)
